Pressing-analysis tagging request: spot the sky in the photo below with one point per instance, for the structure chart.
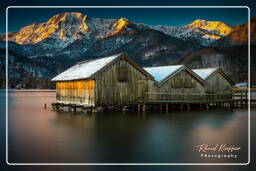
(20, 17)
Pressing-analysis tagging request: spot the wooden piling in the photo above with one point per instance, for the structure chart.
(74, 108)
(143, 108)
(181, 107)
(173, 107)
(161, 108)
(207, 106)
(201, 107)
(188, 107)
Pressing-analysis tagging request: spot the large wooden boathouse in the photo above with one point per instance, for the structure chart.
(113, 80)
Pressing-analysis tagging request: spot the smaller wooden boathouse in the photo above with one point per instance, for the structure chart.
(176, 83)
(218, 81)
(219, 84)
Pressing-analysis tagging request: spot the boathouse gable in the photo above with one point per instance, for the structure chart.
(183, 81)
(218, 81)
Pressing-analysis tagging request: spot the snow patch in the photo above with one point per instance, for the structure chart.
(204, 73)
(84, 70)
(161, 72)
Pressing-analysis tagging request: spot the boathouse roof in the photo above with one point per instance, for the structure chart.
(85, 69)
(161, 72)
(88, 69)
(205, 73)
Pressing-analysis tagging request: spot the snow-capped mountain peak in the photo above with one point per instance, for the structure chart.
(60, 26)
(203, 31)
(216, 26)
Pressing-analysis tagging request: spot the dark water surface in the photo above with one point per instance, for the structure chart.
(41, 135)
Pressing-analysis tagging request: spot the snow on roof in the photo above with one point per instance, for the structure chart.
(85, 69)
(161, 72)
(204, 73)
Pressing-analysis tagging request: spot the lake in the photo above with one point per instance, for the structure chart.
(38, 135)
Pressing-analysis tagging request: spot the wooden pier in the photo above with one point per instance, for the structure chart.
(196, 101)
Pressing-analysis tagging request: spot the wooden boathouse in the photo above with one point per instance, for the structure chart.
(113, 80)
(218, 81)
(172, 81)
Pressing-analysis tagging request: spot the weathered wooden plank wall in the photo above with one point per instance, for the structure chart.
(217, 83)
(110, 90)
(75, 92)
(182, 82)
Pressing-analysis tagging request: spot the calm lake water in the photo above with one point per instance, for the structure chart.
(41, 135)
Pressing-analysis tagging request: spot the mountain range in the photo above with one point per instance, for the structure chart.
(40, 51)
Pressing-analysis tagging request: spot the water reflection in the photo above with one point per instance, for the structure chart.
(41, 135)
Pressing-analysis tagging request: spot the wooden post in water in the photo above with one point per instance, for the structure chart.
(94, 110)
(143, 107)
(53, 108)
(138, 107)
(219, 105)
(166, 107)
(241, 98)
(74, 108)
(173, 107)
(201, 107)
(188, 106)
(161, 108)
(207, 106)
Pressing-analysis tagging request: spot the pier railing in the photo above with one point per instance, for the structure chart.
(179, 97)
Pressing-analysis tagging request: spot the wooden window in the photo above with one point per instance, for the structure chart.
(177, 83)
(188, 83)
(122, 74)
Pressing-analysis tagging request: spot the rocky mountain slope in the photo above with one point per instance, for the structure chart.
(239, 35)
